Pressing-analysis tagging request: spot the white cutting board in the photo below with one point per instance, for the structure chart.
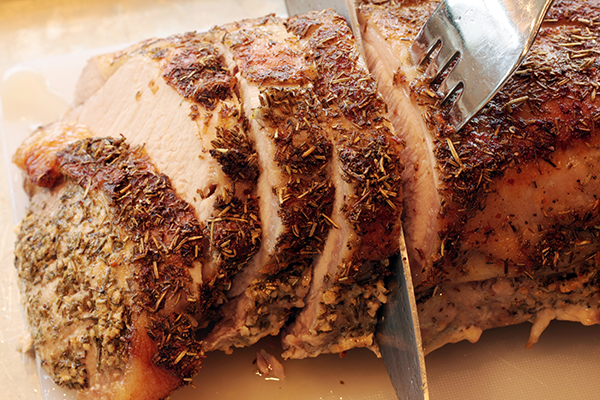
(564, 365)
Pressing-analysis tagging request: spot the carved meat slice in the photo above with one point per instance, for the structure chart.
(104, 256)
(195, 225)
(387, 30)
(513, 194)
(288, 123)
(348, 280)
(175, 97)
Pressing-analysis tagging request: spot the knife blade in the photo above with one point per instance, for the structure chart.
(399, 334)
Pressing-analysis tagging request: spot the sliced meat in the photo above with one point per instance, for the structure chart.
(176, 98)
(99, 68)
(348, 281)
(105, 258)
(287, 122)
(387, 32)
(514, 192)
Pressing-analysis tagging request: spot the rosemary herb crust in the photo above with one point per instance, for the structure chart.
(112, 266)
(347, 293)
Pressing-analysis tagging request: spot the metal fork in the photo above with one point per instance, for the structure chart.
(472, 47)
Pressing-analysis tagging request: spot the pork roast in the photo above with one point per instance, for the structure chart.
(281, 159)
(500, 217)
(210, 189)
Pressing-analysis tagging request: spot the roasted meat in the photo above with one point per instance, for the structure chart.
(281, 156)
(348, 280)
(176, 98)
(210, 189)
(105, 257)
(173, 103)
(510, 200)
(287, 123)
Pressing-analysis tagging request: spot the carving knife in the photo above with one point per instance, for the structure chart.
(399, 335)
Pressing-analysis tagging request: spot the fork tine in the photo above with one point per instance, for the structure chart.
(482, 43)
(438, 33)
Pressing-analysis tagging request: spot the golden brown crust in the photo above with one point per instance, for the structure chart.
(306, 200)
(367, 150)
(167, 238)
(263, 60)
(549, 104)
(37, 154)
(303, 151)
(233, 149)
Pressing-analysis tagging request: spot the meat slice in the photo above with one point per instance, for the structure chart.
(348, 280)
(179, 245)
(287, 122)
(514, 193)
(176, 98)
(104, 256)
(388, 30)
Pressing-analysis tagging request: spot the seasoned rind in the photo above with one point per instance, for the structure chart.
(113, 264)
(348, 284)
(296, 195)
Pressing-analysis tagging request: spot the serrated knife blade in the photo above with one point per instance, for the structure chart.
(399, 334)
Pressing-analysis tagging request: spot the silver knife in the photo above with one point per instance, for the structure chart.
(399, 334)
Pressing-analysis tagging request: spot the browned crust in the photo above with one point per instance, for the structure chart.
(291, 117)
(304, 153)
(163, 237)
(546, 105)
(167, 239)
(263, 60)
(368, 150)
(193, 67)
(234, 231)
(37, 155)
(233, 149)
